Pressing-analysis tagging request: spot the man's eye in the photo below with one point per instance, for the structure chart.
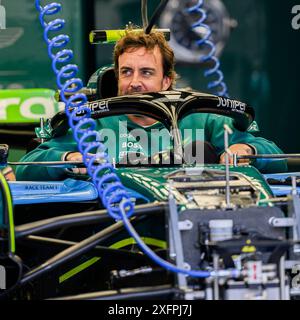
(126, 72)
(147, 73)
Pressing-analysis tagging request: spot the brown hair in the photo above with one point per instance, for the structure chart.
(138, 39)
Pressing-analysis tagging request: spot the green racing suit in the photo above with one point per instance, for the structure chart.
(209, 127)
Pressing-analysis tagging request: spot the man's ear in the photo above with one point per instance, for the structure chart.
(166, 83)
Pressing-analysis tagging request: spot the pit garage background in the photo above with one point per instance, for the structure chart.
(256, 43)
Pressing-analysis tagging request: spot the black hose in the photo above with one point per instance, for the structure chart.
(159, 10)
(5, 294)
(144, 12)
(8, 220)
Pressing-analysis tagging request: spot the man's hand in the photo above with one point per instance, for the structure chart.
(9, 174)
(76, 156)
(241, 150)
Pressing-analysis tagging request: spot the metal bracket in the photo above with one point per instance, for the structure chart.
(294, 211)
(296, 205)
(185, 225)
(176, 248)
(281, 222)
(227, 132)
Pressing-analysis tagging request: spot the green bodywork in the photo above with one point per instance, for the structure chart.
(152, 183)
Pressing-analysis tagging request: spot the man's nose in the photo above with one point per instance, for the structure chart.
(135, 81)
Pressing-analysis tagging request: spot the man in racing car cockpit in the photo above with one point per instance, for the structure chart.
(145, 63)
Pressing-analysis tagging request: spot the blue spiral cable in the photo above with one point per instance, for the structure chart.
(110, 189)
(218, 86)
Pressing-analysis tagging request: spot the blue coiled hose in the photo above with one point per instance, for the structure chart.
(218, 85)
(108, 184)
(113, 194)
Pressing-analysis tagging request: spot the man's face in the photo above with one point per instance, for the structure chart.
(141, 71)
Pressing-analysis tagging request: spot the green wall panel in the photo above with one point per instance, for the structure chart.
(24, 62)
